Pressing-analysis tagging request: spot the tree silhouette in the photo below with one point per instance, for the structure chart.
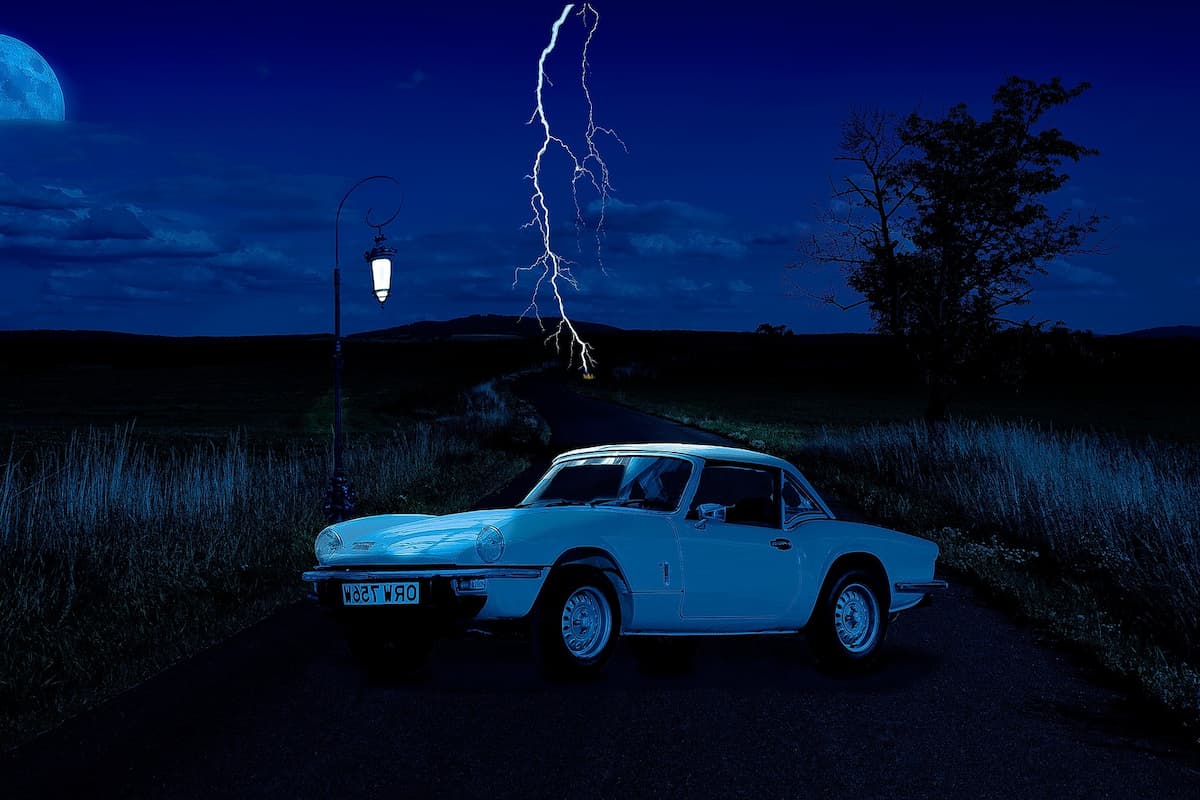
(946, 223)
(773, 330)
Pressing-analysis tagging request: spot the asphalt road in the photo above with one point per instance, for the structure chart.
(967, 705)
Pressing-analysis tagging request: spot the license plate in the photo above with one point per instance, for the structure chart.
(381, 594)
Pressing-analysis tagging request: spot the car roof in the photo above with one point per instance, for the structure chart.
(705, 451)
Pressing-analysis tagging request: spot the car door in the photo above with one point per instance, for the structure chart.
(737, 561)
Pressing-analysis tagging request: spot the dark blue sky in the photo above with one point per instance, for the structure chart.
(193, 188)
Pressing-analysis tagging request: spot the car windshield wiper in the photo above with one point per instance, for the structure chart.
(549, 503)
(641, 502)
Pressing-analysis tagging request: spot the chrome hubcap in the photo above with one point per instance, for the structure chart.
(586, 622)
(856, 618)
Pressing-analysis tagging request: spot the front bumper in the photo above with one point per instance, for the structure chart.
(320, 574)
(443, 606)
(920, 587)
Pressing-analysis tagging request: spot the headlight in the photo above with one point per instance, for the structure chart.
(328, 542)
(489, 544)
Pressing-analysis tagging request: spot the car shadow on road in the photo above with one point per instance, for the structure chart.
(774, 664)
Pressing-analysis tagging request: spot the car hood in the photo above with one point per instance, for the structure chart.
(446, 539)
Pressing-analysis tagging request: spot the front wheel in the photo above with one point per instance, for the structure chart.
(850, 622)
(578, 623)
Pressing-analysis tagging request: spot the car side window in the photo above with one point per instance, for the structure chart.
(747, 493)
(658, 482)
(796, 502)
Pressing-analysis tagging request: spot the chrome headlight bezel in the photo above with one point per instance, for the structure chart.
(328, 542)
(490, 544)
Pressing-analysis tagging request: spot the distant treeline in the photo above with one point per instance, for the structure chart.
(1014, 358)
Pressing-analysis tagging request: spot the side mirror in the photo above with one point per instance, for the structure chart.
(713, 511)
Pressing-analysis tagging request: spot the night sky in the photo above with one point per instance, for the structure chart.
(192, 189)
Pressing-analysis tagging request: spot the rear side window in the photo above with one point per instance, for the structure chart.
(796, 502)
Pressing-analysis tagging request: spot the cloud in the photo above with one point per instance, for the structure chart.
(739, 287)
(36, 252)
(81, 246)
(245, 189)
(415, 79)
(667, 229)
(108, 223)
(655, 216)
(692, 243)
(686, 285)
(63, 144)
(37, 197)
(779, 236)
(1066, 278)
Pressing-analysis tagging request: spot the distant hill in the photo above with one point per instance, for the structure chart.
(480, 326)
(1167, 332)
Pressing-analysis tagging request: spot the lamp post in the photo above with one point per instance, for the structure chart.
(339, 499)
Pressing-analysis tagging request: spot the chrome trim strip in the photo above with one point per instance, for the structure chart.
(403, 575)
(920, 586)
(688, 634)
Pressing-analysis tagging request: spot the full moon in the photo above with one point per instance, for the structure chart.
(28, 87)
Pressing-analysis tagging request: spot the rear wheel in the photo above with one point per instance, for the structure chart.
(850, 622)
(577, 624)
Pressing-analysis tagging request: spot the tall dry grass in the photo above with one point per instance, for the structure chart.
(1116, 521)
(117, 556)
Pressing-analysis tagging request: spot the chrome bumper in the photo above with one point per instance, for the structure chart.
(920, 587)
(334, 574)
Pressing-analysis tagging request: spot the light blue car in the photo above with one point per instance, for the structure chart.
(655, 541)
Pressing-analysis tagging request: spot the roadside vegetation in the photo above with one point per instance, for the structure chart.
(121, 553)
(1092, 536)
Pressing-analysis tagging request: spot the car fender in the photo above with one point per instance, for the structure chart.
(603, 562)
(825, 541)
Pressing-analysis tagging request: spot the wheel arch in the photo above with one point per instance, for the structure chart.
(858, 560)
(600, 560)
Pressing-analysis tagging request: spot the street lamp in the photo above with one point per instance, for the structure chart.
(339, 499)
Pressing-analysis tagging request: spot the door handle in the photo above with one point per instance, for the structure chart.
(781, 544)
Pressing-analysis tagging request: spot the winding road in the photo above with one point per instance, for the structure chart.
(968, 704)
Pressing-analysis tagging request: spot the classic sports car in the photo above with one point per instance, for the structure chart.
(636, 540)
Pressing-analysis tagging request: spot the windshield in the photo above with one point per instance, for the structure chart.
(653, 482)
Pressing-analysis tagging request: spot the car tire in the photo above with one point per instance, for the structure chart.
(577, 624)
(391, 657)
(850, 622)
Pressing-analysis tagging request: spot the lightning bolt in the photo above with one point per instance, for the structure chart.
(550, 267)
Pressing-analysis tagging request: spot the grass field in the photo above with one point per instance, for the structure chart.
(128, 545)
(1073, 503)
